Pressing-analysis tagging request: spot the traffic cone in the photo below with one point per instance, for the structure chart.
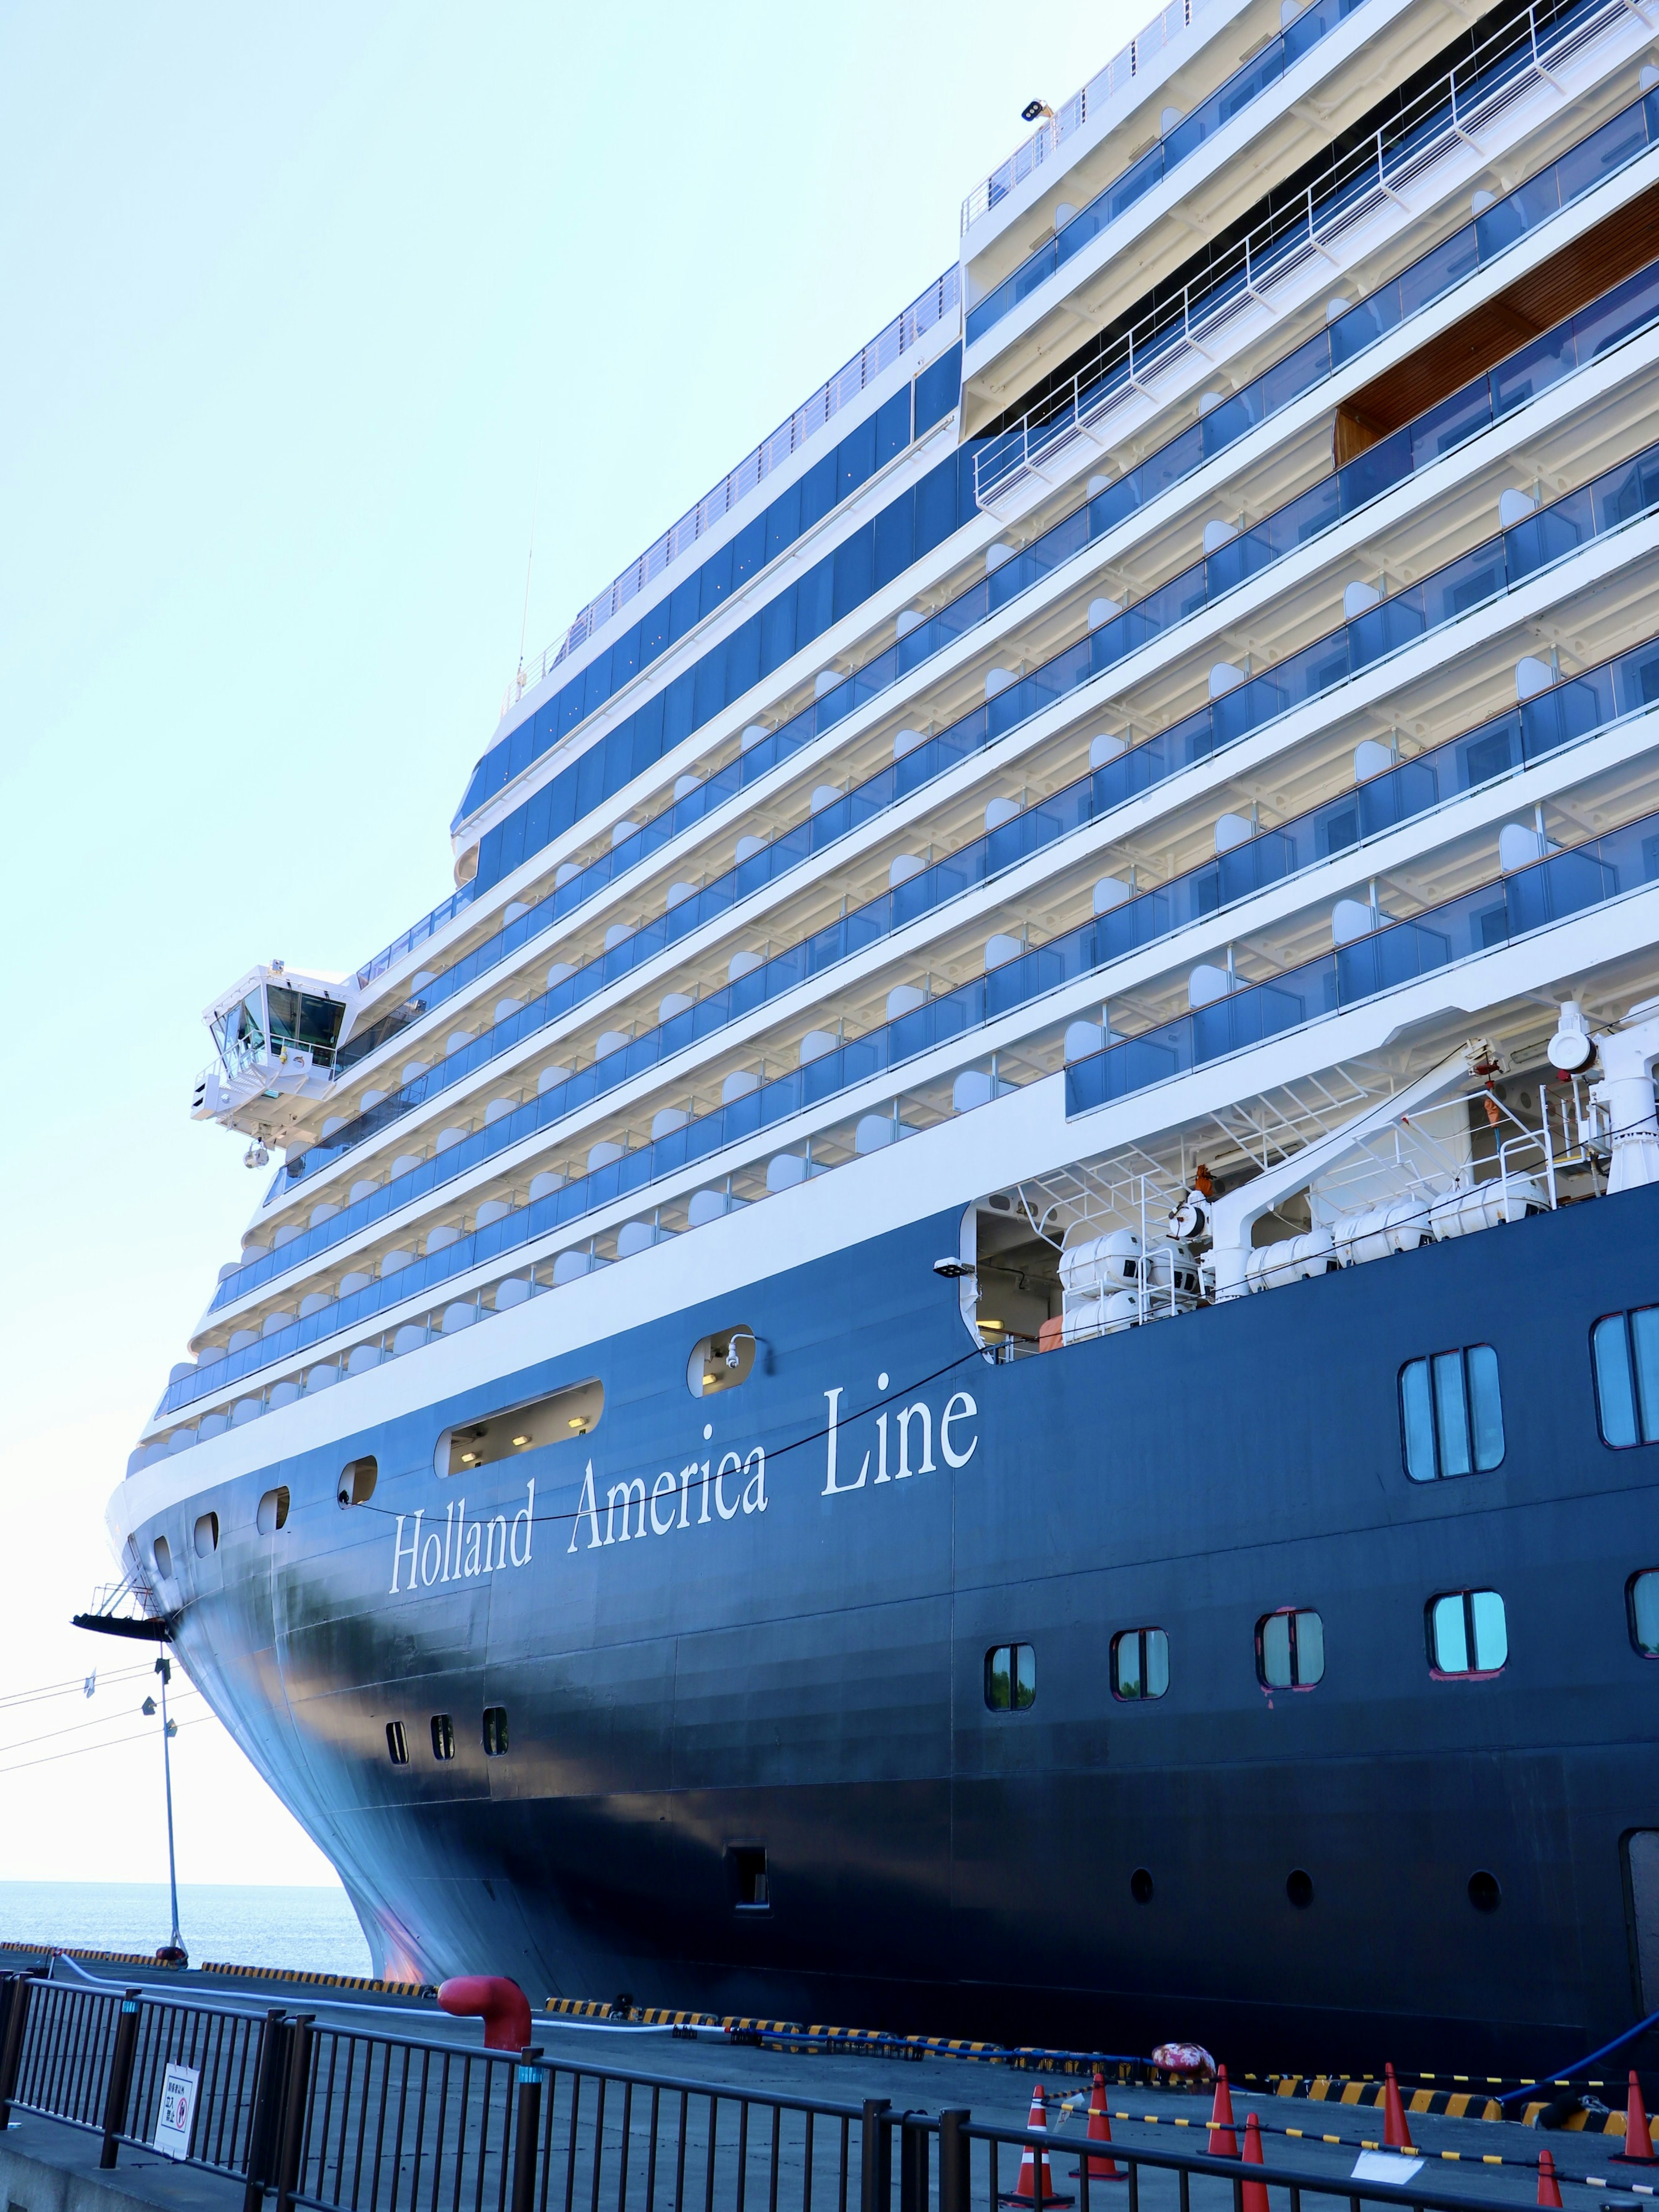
(1549, 2188)
(1252, 2195)
(1100, 2130)
(1638, 2143)
(1395, 2133)
(1025, 2189)
(1223, 2143)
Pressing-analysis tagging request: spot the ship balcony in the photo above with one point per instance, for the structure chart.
(1550, 775)
(1445, 524)
(1494, 237)
(1313, 258)
(1605, 923)
(1115, 213)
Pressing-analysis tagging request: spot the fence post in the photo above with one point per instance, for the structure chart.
(264, 2128)
(527, 2128)
(913, 2163)
(120, 2075)
(13, 2018)
(876, 2165)
(301, 2038)
(954, 2159)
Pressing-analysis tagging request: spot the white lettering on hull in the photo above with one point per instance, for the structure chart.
(733, 1485)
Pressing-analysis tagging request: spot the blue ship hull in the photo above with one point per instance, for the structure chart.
(807, 1676)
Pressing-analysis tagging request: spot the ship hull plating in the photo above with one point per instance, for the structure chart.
(778, 1643)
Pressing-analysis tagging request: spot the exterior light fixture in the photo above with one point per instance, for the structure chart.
(521, 1440)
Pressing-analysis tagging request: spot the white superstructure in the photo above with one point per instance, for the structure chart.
(1284, 357)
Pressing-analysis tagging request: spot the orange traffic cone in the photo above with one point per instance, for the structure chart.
(1549, 2188)
(1252, 2195)
(1100, 2130)
(1395, 2133)
(1223, 2143)
(1025, 2189)
(1638, 2143)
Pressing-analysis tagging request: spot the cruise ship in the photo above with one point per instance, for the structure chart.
(1077, 946)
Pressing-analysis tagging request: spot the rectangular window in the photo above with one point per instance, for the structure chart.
(1011, 1678)
(397, 1743)
(1467, 1633)
(1642, 1598)
(443, 1736)
(752, 1893)
(495, 1731)
(1289, 1650)
(1140, 1664)
(1452, 1414)
(1624, 1350)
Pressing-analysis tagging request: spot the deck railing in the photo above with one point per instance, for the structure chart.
(340, 2117)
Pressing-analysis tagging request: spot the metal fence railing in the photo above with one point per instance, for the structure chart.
(338, 2119)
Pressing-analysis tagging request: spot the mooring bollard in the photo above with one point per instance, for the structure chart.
(120, 2076)
(528, 2125)
(954, 2159)
(876, 2174)
(265, 2129)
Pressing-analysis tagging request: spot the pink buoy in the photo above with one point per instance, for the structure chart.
(499, 2004)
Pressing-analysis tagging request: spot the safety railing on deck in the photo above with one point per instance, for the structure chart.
(342, 2119)
(929, 308)
(1438, 120)
(1609, 149)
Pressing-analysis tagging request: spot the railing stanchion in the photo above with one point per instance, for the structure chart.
(953, 2178)
(265, 2130)
(913, 2163)
(302, 2040)
(528, 2124)
(875, 2168)
(19, 1988)
(120, 2076)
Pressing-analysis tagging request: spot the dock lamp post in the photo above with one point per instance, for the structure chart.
(173, 1951)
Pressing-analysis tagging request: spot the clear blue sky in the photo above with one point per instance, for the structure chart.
(300, 304)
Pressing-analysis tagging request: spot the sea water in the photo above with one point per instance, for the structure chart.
(223, 1924)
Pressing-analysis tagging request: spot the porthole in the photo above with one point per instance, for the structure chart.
(443, 1736)
(495, 1731)
(272, 1512)
(1140, 1886)
(568, 1413)
(721, 1362)
(357, 1480)
(397, 1743)
(1299, 1888)
(1485, 1891)
(162, 1552)
(207, 1535)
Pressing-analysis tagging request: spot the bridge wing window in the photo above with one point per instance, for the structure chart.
(300, 1017)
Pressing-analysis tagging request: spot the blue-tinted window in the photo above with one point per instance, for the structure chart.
(1289, 1650)
(1469, 1633)
(1625, 1348)
(1140, 1664)
(1452, 1414)
(1642, 1605)
(1011, 1678)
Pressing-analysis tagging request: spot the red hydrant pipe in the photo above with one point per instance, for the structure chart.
(499, 2004)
